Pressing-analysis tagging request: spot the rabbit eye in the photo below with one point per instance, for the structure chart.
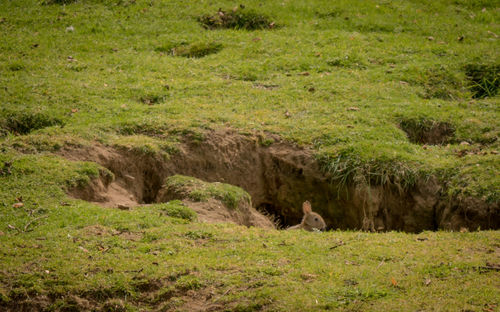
(316, 219)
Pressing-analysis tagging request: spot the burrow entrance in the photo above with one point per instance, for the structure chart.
(279, 177)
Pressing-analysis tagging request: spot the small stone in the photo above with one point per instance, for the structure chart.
(465, 143)
(129, 177)
(123, 207)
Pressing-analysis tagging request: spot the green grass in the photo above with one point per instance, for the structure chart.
(347, 77)
(139, 259)
(196, 50)
(198, 190)
(115, 68)
(176, 209)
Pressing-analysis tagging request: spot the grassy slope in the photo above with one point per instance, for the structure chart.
(250, 269)
(381, 61)
(117, 66)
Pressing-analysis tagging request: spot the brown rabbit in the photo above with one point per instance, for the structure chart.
(310, 221)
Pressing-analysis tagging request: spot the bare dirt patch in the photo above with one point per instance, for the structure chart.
(215, 211)
(97, 230)
(279, 177)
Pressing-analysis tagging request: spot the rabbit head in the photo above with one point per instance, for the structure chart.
(311, 219)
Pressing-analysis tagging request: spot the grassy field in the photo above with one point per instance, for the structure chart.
(379, 90)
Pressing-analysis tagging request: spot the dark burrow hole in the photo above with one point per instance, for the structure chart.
(427, 131)
(276, 215)
(279, 178)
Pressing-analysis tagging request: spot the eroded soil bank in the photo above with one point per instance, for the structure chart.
(279, 177)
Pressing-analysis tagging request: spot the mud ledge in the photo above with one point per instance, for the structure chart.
(279, 177)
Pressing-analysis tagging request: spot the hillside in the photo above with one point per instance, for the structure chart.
(146, 145)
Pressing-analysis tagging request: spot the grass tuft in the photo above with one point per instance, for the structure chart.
(151, 99)
(196, 50)
(348, 169)
(176, 209)
(16, 67)
(441, 83)
(26, 121)
(199, 190)
(61, 2)
(484, 79)
(347, 61)
(237, 18)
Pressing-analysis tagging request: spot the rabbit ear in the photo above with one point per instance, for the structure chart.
(306, 207)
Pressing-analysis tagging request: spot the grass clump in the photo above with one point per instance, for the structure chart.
(16, 67)
(199, 190)
(236, 19)
(151, 99)
(348, 169)
(441, 83)
(25, 121)
(196, 50)
(176, 209)
(60, 2)
(483, 79)
(347, 61)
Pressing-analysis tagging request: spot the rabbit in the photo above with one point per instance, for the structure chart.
(310, 221)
